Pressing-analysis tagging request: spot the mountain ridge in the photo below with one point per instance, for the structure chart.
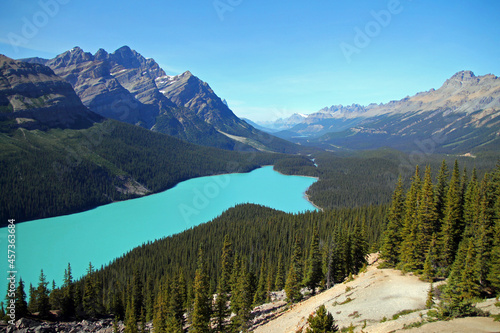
(128, 87)
(464, 111)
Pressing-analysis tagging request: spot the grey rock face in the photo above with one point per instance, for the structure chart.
(33, 96)
(125, 86)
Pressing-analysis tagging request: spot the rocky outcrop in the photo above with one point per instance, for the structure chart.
(33, 96)
(26, 325)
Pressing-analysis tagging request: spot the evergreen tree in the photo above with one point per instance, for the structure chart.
(149, 295)
(269, 281)
(409, 233)
(56, 297)
(294, 276)
(314, 273)
(32, 304)
(202, 298)
(235, 274)
(431, 261)
(472, 205)
(68, 300)
(452, 227)
(172, 325)
(177, 298)
(462, 284)
(137, 293)
(390, 249)
(321, 322)
(292, 284)
(116, 307)
(494, 264)
(426, 217)
(279, 284)
(441, 190)
(20, 301)
(130, 319)
(243, 300)
(260, 294)
(326, 264)
(91, 300)
(359, 248)
(42, 297)
(160, 312)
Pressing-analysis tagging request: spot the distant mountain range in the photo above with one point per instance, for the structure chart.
(462, 115)
(125, 86)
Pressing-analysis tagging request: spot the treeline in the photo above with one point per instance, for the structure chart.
(449, 228)
(39, 167)
(246, 253)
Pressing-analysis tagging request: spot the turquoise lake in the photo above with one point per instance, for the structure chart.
(107, 232)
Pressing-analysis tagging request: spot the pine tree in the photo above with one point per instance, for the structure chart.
(269, 281)
(202, 298)
(117, 308)
(32, 304)
(441, 190)
(20, 301)
(149, 295)
(235, 274)
(452, 228)
(279, 284)
(297, 258)
(431, 261)
(68, 301)
(172, 325)
(56, 297)
(243, 297)
(160, 312)
(462, 283)
(177, 298)
(390, 249)
(294, 276)
(409, 256)
(91, 301)
(292, 284)
(314, 273)
(130, 319)
(359, 248)
(326, 264)
(137, 293)
(260, 294)
(472, 205)
(42, 297)
(321, 322)
(426, 217)
(494, 263)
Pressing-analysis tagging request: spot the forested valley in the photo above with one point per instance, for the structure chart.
(442, 226)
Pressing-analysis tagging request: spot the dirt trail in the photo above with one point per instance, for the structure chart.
(365, 301)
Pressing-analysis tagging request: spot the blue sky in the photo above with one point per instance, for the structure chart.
(270, 59)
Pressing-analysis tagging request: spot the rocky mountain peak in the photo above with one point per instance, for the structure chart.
(101, 54)
(127, 58)
(74, 56)
(462, 78)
